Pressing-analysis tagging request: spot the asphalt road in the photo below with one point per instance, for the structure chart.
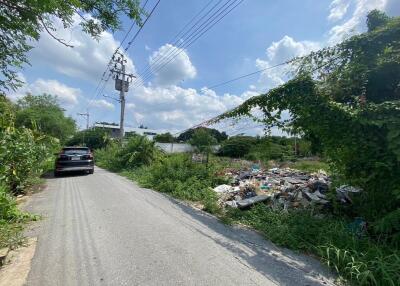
(102, 229)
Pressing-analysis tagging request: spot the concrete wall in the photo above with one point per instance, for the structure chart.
(174, 147)
(179, 147)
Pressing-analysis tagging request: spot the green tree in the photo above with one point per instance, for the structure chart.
(22, 21)
(187, 135)
(94, 138)
(376, 19)
(202, 141)
(348, 96)
(42, 112)
(164, 138)
(237, 146)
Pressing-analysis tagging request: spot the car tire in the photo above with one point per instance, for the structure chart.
(91, 171)
(56, 174)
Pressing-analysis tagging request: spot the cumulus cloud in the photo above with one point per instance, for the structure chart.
(66, 95)
(101, 103)
(175, 108)
(338, 8)
(279, 52)
(177, 70)
(86, 60)
(355, 21)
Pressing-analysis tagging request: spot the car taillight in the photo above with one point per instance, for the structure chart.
(61, 156)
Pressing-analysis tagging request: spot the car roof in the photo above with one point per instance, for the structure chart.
(77, 147)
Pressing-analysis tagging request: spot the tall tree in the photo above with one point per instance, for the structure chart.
(22, 21)
(43, 112)
(187, 135)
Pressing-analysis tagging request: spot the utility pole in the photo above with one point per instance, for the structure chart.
(122, 81)
(87, 123)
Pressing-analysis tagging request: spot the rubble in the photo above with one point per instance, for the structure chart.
(283, 188)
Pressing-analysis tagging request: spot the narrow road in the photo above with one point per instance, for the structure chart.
(102, 229)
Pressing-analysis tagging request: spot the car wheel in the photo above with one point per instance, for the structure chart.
(91, 171)
(56, 174)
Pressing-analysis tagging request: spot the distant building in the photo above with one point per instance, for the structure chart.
(114, 131)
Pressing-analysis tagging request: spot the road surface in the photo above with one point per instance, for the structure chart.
(102, 229)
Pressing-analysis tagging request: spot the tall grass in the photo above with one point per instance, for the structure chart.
(359, 259)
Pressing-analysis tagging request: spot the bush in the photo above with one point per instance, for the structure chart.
(362, 261)
(22, 153)
(95, 138)
(136, 152)
(178, 176)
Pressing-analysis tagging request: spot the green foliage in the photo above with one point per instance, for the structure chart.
(23, 152)
(237, 146)
(360, 260)
(43, 112)
(22, 21)
(165, 138)
(309, 165)
(94, 138)
(187, 135)
(136, 152)
(376, 19)
(178, 176)
(347, 96)
(11, 220)
(202, 140)
(265, 148)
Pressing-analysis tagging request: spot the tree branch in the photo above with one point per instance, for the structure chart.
(61, 41)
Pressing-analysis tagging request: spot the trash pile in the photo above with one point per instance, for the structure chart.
(283, 188)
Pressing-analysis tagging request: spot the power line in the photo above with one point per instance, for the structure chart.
(159, 57)
(210, 22)
(200, 32)
(97, 91)
(141, 27)
(249, 74)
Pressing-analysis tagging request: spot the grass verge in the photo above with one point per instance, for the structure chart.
(12, 221)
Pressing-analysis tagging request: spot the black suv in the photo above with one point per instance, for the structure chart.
(74, 159)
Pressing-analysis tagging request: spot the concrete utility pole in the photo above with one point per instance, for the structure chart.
(122, 81)
(87, 118)
(87, 124)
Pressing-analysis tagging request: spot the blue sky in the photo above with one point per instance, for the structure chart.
(257, 34)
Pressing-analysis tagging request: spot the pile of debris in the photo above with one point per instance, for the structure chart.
(282, 188)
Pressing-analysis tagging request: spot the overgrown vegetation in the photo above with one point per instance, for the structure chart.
(94, 138)
(348, 96)
(355, 257)
(26, 150)
(11, 220)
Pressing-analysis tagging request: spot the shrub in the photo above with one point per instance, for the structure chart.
(136, 152)
(22, 153)
(178, 176)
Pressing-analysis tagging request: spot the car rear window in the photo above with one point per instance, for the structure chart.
(75, 151)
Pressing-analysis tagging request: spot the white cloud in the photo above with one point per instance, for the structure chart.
(88, 57)
(356, 22)
(279, 52)
(176, 108)
(101, 103)
(177, 70)
(66, 95)
(338, 9)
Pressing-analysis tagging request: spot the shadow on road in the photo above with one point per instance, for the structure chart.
(281, 265)
(50, 175)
